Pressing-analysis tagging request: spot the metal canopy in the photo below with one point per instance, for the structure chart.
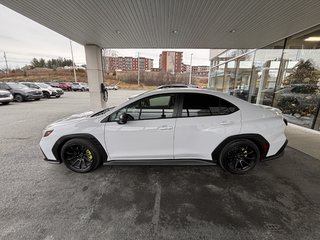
(172, 23)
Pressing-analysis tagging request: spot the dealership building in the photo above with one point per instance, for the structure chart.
(284, 74)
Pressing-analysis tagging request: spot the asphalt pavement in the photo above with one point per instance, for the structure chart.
(280, 199)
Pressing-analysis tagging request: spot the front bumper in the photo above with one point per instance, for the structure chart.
(49, 160)
(278, 154)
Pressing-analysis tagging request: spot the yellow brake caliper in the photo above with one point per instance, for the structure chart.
(89, 155)
(245, 152)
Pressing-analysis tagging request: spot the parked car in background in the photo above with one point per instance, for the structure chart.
(178, 85)
(112, 87)
(63, 85)
(169, 126)
(79, 86)
(55, 92)
(47, 93)
(5, 97)
(21, 92)
(298, 98)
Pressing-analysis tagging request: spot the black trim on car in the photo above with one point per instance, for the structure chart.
(161, 162)
(260, 141)
(56, 149)
(49, 160)
(278, 154)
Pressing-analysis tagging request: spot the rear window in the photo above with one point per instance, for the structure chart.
(197, 105)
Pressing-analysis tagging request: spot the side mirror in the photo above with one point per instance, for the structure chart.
(123, 118)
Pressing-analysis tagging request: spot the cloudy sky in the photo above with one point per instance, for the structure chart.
(22, 39)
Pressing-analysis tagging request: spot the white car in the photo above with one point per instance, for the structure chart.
(47, 90)
(78, 86)
(169, 126)
(5, 97)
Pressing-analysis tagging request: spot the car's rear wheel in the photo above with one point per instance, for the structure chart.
(18, 98)
(5, 103)
(239, 156)
(57, 96)
(80, 155)
(37, 99)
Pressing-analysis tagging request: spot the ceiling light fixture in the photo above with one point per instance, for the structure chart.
(118, 32)
(232, 31)
(174, 31)
(312, 39)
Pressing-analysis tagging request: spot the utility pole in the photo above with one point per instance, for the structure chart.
(5, 58)
(190, 76)
(74, 67)
(138, 69)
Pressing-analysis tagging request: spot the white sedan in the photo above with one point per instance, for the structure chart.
(169, 126)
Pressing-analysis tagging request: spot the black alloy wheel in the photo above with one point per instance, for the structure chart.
(80, 155)
(18, 98)
(239, 156)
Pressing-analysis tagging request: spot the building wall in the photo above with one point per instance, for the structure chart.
(171, 62)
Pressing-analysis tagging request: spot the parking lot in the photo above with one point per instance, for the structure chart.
(279, 199)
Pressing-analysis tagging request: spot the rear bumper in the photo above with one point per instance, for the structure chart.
(278, 154)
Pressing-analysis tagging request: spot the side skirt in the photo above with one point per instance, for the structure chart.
(161, 162)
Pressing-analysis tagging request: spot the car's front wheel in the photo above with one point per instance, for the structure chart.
(18, 98)
(80, 155)
(239, 156)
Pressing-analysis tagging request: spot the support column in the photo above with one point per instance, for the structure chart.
(95, 76)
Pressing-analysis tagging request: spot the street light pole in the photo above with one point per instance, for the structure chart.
(74, 67)
(5, 58)
(138, 69)
(190, 76)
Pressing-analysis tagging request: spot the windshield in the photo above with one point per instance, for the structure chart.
(17, 86)
(43, 85)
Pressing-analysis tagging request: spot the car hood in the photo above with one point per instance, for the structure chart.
(71, 119)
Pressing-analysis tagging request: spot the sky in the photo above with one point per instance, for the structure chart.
(23, 39)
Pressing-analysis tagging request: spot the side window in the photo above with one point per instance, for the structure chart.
(197, 105)
(148, 108)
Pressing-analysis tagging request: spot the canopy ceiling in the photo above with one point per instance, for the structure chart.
(172, 23)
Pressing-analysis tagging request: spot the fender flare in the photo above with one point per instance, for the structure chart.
(56, 149)
(259, 140)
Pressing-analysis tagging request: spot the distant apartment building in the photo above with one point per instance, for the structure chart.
(171, 61)
(127, 64)
(201, 71)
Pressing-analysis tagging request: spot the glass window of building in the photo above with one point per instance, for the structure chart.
(285, 75)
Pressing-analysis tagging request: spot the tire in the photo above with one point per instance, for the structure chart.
(5, 103)
(80, 155)
(239, 156)
(82, 89)
(37, 99)
(18, 98)
(46, 95)
(57, 96)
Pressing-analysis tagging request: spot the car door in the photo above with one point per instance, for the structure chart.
(149, 132)
(205, 121)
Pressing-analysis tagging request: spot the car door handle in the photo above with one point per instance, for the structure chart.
(165, 127)
(225, 122)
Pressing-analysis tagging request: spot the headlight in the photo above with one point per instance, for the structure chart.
(47, 133)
